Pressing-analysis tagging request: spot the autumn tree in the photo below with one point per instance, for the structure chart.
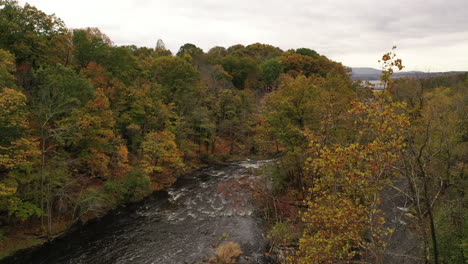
(343, 221)
(298, 64)
(90, 135)
(161, 159)
(18, 155)
(262, 52)
(295, 63)
(389, 63)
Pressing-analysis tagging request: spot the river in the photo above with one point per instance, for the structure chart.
(183, 224)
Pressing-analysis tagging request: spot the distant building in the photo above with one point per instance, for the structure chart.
(378, 85)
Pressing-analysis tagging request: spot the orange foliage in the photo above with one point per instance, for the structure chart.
(96, 74)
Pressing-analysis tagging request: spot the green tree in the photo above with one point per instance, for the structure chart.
(434, 164)
(292, 108)
(189, 49)
(58, 91)
(89, 45)
(7, 68)
(178, 79)
(307, 52)
(271, 70)
(34, 37)
(239, 68)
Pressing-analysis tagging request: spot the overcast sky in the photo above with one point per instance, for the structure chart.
(431, 35)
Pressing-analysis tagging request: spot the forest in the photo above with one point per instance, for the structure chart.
(87, 126)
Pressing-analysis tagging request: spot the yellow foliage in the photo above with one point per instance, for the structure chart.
(12, 112)
(13, 115)
(6, 190)
(343, 193)
(120, 161)
(160, 155)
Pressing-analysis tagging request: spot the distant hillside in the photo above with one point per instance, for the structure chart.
(365, 71)
(371, 74)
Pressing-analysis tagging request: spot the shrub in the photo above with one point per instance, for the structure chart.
(281, 233)
(224, 157)
(206, 158)
(136, 184)
(91, 203)
(227, 253)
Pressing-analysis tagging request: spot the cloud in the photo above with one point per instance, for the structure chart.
(353, 32)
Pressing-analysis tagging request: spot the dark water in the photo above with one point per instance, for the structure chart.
(181, 225)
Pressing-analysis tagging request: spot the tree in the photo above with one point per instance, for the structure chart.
(178, 79)
(90, 135)
(343, 222)
(58, 91)
(161, 160)
(97, 74)
(297, 64)
(18, 155)
(216, 53)
(189, 49)
(7, 67)
(31, 35)
(18, 148)
(271, 70)
(262, 52)
(89, 45)
(389, 63)
(293, 108)
(234, 118)
(433, 164)
(307, 52)
(239, 68)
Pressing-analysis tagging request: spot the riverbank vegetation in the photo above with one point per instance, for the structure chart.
(87, 125)
(410, 138)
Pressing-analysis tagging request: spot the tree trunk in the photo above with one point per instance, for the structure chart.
(431, 225)
(43, 140)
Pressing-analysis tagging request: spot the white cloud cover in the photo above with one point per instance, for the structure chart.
(431, 35)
